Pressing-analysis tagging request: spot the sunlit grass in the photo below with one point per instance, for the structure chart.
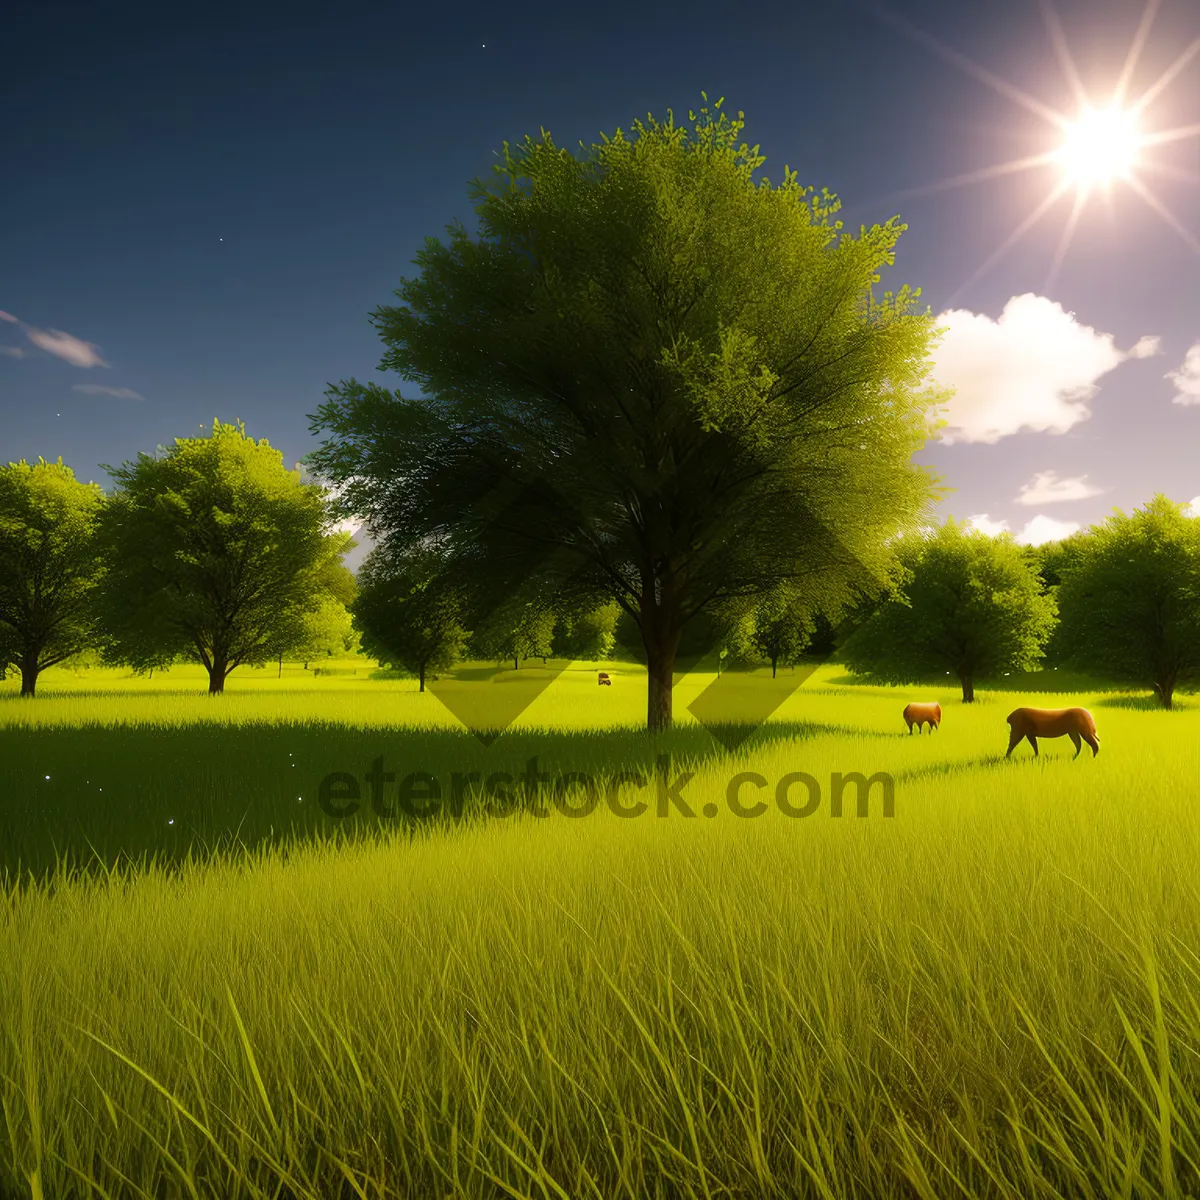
(993, 992)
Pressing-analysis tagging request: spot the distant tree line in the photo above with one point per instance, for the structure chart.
(213, 552)
(1120, 601)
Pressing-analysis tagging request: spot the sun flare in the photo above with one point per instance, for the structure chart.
(1097, 148)
(1102, 145)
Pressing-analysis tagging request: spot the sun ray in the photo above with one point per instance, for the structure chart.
(1058, 39)
(1171, 172)
(1165, 213)
(1170, 135)
(1135, 51)
(1012, 239)
(1161, 83)
(1064, 242)
(971, 67)
(980, 176)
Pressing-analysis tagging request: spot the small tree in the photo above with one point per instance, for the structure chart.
(780, 629)
(49, 566)
(406, 614)
(520, 627)
(327, 632)
(973, 606)
(1130, 601)
(218, 555)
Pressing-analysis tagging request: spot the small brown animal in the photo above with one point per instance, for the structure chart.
(918, 714)
(1033, 723)
(604, 680)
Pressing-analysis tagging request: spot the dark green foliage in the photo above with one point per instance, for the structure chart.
(973, 607)
(218, 555)
(1052, 559)
(407, 613)
(49, 566)
(520, 626)
(1130, 600)
(586, 632)
(650, 373)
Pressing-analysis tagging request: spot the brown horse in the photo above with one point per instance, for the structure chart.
(918, 714)
(1033, 723)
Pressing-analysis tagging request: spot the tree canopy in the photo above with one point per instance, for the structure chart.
(972, 606)
(651, 373)
(218, 554)
(1130, 599)
(49, 566)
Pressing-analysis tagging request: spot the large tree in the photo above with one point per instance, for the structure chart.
(408, 614)
(1130, 599)
(973, 607)
(651, 372)
(49, 565)
(218, 554)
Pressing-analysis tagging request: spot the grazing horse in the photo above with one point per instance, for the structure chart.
(918, 714)
(1033, 723)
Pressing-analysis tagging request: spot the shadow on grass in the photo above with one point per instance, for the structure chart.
(94, 796)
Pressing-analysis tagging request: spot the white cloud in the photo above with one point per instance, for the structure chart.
(1046, 529)
(1036, 531)
(95, 389)
(1047, 488)
(1034, 367)
(982, 523)
(1146, 347)
(62, 345)
(1186, 378)
(12, 351)
(67, 347)
(1192, 508)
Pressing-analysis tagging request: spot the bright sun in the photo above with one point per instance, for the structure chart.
(1100, 146)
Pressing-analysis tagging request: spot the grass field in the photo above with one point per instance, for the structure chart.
(993, 992)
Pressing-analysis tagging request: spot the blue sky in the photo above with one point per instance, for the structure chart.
(202, 204)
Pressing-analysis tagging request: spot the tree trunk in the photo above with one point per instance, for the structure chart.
(216, 677)
(968, 687)
(516, 663)
(29, 675)
(661, 628)
(1164, 689)
(773, 662)
(661, 669)
(280, 675)
(421, 674)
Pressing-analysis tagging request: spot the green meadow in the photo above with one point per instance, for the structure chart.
(210, 987)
